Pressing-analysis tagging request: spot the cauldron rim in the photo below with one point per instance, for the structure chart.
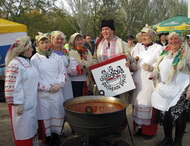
(92, 96)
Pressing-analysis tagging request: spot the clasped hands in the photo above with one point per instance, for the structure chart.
(147, 67)
(82, 64)
(54, 88)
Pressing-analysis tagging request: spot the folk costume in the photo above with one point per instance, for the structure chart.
(50, 109)
(170, 94)
(67, 89)
(116, 46)
(21, 91)
(107, 50)
(143, 113)
(80, 59)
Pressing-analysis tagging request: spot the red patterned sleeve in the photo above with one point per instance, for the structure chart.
(10, 81)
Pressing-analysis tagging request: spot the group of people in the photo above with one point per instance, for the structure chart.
(36, 86)
(162, 86)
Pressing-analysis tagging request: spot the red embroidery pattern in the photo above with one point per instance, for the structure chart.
(10, 80)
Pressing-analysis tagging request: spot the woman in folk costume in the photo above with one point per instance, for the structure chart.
(21, 83)
(57, 45)
(52, 73)
(146, 55)
(172, 94)
(80, 60)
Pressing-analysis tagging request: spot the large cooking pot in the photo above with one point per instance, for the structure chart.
(95, 116)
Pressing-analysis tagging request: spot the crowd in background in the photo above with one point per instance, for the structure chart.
(43, 73)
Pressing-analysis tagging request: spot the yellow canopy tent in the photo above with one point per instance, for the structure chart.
(9, 32)
(9, 26)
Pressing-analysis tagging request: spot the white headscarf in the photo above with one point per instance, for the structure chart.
(21, 45)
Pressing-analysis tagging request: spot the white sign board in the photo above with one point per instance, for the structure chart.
(112, 76)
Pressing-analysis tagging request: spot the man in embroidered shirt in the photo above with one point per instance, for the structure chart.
(109, 46)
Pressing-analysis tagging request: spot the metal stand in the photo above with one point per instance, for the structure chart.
(129, 131)
(87, 137)
(62, 127)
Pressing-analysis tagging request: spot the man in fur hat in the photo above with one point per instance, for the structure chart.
(109, 45)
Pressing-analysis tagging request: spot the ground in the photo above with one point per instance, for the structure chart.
(6, 138)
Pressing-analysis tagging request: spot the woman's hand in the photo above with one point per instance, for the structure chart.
(73, 72)
(147, 67)
(188, 95)
(83, 64)
(54, 88)
(134, 67)
(127, 63)
(153, 76)
(19, 109)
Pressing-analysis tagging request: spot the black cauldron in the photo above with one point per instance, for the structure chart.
(92, 124)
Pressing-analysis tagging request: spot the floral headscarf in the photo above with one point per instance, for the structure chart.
(21, 45)
(180, 54)
(178, 62)
(84, 51)
(150, 31)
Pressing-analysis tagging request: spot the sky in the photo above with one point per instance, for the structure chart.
(62, 4)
